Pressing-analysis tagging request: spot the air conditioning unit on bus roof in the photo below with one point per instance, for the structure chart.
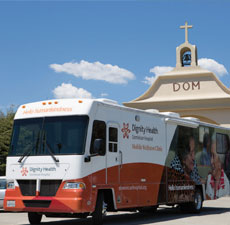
(192, 118)
(152, 110)
(106, 100)
(171, 114)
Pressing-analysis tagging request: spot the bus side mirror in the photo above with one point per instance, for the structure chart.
(99, 147)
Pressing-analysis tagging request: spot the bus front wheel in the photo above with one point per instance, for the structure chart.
(100, 210)
(34, 218)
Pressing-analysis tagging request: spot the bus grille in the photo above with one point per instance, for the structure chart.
(27, 187)
(47, 187)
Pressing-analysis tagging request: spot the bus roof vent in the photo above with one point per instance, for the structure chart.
(192, 118)
(152, 110)
(172, 114)
(106, 100)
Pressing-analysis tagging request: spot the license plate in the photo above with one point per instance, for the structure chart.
(10, 203)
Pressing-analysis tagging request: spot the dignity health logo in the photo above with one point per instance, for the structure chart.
(24, 171)
(125, 130)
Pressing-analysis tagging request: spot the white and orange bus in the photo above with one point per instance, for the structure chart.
(79, 158)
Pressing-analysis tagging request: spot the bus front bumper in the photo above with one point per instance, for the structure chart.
(46, 204)
(65, 202)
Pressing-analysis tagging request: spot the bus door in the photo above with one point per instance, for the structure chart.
(112, 155)
(99, 162)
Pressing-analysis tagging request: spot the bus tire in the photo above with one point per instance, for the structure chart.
(34, 218)
(99, 212)
(197, 204)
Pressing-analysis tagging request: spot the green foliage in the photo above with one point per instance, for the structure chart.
(6, 124)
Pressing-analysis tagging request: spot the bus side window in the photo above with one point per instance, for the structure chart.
(99, 132)
(112, 139)
(222, 143)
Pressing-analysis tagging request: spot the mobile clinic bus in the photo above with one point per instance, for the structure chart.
(79, 158)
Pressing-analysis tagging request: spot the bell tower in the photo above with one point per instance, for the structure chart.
(186, 54)
(188, 90)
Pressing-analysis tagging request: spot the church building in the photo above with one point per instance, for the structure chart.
(188, 90)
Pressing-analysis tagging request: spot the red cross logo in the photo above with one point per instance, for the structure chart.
(126, 130)
(24, 171)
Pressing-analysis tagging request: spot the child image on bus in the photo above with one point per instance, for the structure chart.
(217, 181)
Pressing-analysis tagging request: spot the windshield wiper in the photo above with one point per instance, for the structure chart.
(51, 152)
(25, 154)
(49, 148)
(30, 150)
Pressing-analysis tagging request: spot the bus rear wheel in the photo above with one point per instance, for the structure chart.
(197, 204)
(34, 218)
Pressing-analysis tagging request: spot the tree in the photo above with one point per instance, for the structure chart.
(6, 125)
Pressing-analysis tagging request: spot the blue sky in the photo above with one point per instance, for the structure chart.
(52, 49)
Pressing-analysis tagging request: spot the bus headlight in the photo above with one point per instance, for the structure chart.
(10, 185)
(74, 185)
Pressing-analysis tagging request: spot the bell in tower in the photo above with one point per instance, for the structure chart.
(186, 59)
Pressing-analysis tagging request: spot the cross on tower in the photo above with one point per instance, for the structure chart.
(186, 26)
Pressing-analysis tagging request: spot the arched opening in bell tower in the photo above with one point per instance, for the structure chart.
(186, 57)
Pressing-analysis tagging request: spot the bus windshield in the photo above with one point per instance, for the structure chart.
(64, 135)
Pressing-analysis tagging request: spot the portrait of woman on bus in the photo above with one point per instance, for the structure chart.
(184, 161)
(217, 182)
(187, 162)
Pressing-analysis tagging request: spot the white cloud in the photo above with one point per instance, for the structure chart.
(212, 65)
(157, 70)
(149, 80)
(70, 91)
(95, 71)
